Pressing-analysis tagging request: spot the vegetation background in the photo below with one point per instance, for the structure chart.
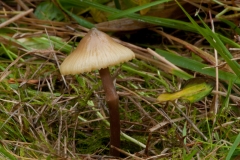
(44, 115)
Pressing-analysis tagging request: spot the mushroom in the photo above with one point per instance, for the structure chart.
(98, 51)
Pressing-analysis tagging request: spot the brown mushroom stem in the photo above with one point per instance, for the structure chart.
(113, 104)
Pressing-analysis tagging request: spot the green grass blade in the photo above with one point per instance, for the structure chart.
(146, 75)
(149, 19)
(233, 148)
(5, 154)
(222, 50)
(190, 155)
(181, 74)
(215, 41)
(229, 41)
(13, 40)
(135, 9)
(197, 66)
(226, 101)
(232, 25)
(164, 22)
(49, 11)
(8, 53)
(78, 19)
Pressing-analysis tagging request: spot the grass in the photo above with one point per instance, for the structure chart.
(45, 115)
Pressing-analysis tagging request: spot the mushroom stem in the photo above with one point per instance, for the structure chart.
(113, 104)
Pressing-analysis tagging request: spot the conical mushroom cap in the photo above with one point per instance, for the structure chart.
(96, 50)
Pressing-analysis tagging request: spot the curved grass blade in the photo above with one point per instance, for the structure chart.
(80, 21)
(232, 25)
(215, 41)
(164, 22)
(148, 19)
(197, 66)
(233, 148)
(4, 154)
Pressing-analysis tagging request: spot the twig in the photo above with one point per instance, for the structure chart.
(56, 59)
(126, 153)
(215, 110)
(159, 156)
(6, 6)
(207, 57)
(162, 59)
(234, 98)
(143, 111)
(193, 125)
(15, 18)
(25, 7)
(59, 132)
(161, 124)
(227, 123)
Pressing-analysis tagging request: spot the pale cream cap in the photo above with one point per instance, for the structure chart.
(95, 51)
